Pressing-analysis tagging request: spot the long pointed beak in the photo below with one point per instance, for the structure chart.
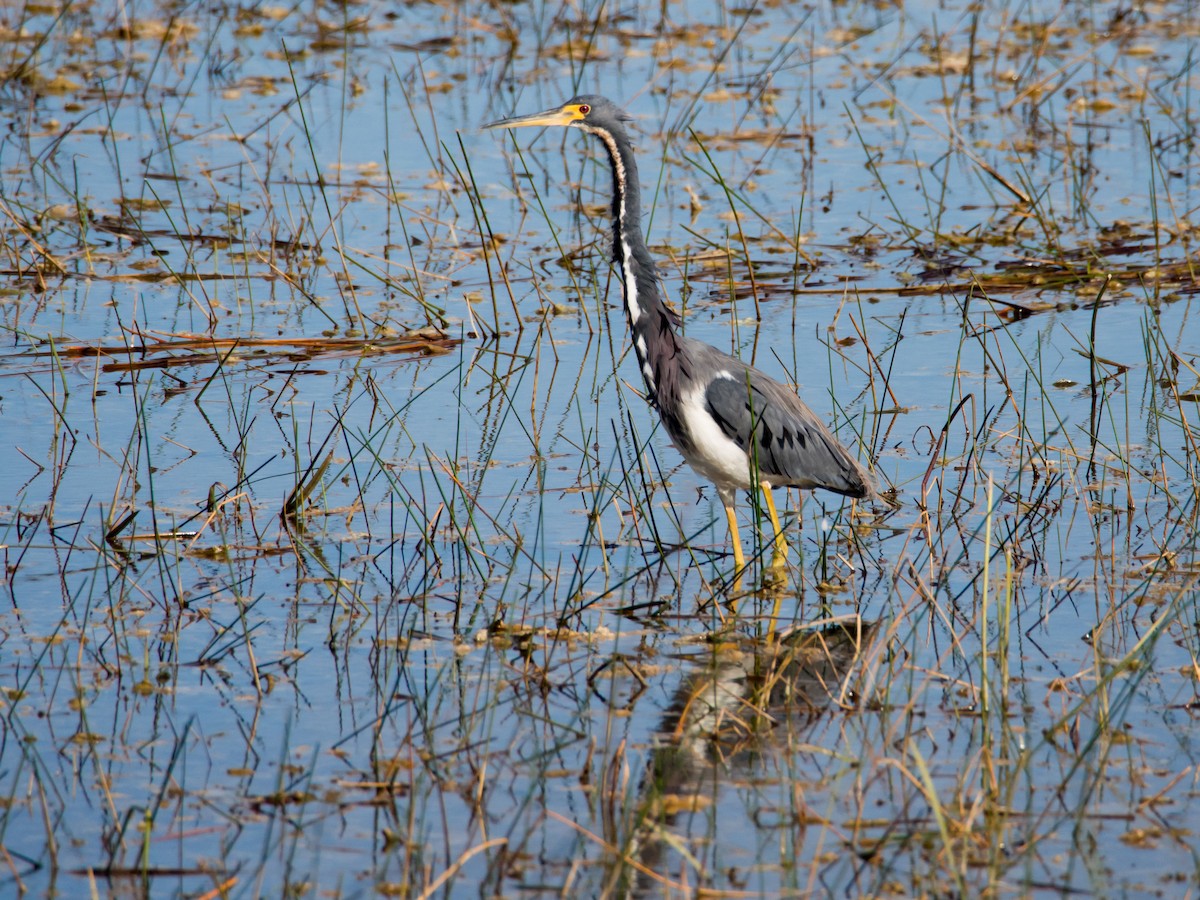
(560, 115)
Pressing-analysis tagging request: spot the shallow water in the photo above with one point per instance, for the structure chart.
(343, 555)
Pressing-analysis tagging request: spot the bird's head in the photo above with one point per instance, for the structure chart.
(590, 113)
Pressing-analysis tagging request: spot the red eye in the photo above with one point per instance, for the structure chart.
(584, 109)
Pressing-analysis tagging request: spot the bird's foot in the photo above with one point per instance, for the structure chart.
(775, 576)
(734, 587)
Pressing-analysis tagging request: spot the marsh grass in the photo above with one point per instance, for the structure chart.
(342, 554)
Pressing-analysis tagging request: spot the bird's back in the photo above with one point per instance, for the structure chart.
(752, 414)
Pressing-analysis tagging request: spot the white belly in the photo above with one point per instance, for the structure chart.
(712, 453)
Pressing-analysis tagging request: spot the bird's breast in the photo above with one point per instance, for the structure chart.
(705, 445)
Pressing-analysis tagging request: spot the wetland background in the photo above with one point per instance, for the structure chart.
(343, 557)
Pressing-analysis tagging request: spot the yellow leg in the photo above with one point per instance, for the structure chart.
(738, 558)
(774, 616)
(779, 556)
(778, 560)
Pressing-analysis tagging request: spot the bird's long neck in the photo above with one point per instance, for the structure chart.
(651, 321)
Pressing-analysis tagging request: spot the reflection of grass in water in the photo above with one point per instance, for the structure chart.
(304, 618)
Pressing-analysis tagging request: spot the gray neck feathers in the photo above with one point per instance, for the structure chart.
(651, 322)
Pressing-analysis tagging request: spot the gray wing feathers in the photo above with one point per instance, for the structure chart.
(791, 445)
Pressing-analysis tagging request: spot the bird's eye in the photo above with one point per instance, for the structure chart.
(584, 109)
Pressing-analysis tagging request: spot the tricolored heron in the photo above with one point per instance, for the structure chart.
(733, 424)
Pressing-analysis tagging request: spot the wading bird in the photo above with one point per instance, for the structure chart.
(733, 424)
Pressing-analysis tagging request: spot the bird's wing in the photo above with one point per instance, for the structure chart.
(786, 439)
